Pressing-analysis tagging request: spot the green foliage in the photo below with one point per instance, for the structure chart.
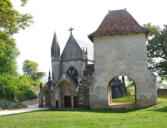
(12, 86)
(8, 54)
(7, 86)
(11, 21)
(130, 83)
(157, 50)
(24, 2)
(30, 69)
(38, 75)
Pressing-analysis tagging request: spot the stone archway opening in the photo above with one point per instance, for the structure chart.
(65, 95)
(122, 92)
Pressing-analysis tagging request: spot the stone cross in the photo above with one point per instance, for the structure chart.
(71, 29)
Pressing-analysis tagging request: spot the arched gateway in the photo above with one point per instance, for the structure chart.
(120, 49)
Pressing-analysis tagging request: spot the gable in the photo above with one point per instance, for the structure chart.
(72, 50)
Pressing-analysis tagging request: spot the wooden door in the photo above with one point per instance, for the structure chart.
(67, 101)
(57, 104)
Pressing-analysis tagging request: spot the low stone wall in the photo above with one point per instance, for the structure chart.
(36, 89)
(31, 102)
(161, 91)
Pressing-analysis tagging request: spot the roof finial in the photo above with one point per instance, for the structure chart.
(71, 29)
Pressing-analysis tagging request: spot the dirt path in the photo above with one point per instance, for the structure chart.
(28, 109)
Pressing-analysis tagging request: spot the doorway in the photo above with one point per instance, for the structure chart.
(67, 101)
(122, 92)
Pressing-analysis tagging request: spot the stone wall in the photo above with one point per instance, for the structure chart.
(79, 65)
(83, 87)
(123, 55)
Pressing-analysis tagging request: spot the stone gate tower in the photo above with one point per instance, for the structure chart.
(120, 50)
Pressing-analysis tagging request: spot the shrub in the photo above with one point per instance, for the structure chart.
(14, 85)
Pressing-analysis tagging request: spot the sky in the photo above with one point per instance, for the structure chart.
(84, 16)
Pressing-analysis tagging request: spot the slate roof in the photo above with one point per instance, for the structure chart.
(88, 46)
(73, 49)
(55, 46)
(118, 22)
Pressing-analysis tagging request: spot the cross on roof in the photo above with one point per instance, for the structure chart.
(71, 29)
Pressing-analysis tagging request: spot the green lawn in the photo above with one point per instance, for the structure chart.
(154, 117)
(128, 98)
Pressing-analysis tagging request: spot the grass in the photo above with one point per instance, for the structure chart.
(128, 98)
(153, 117)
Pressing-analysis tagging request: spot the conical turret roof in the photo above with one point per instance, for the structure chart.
(55, 46)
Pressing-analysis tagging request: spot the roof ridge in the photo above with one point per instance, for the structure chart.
(118, 22)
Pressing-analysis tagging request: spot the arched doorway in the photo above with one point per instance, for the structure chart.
(122, 92)
(65, 95)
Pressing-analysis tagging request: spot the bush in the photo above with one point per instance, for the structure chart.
(13, 85)
(26, 95)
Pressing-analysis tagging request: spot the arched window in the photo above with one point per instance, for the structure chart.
(72, 72)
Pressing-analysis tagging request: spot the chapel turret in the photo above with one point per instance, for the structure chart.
(55, 56)
(55, 49)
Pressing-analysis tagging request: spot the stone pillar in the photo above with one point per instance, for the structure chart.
(41, 96)
(72, 101)
(53, 100)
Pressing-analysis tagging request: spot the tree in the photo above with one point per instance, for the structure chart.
(38, 75)
(30, 68)
(11, 21)
(12, 84)
(24, 2)
(157, 50)
(8, 54)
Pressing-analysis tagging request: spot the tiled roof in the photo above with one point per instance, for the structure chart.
(118, 22)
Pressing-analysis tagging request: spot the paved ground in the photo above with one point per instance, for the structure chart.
(30, 108)
(123, 105)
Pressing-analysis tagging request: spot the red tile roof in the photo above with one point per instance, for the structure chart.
(118, 22)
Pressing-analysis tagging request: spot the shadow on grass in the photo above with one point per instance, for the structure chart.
(92, 111)
(162, 109)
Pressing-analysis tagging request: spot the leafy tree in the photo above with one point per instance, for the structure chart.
(24, 2)
(12, 84)
(38, 75)
(8, 53)
(11, 21)
(15, 85)
(30, 68)
(157, 50)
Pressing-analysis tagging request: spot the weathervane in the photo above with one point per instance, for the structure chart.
(71, 29)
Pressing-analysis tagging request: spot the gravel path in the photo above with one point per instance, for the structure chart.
(28, 109)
